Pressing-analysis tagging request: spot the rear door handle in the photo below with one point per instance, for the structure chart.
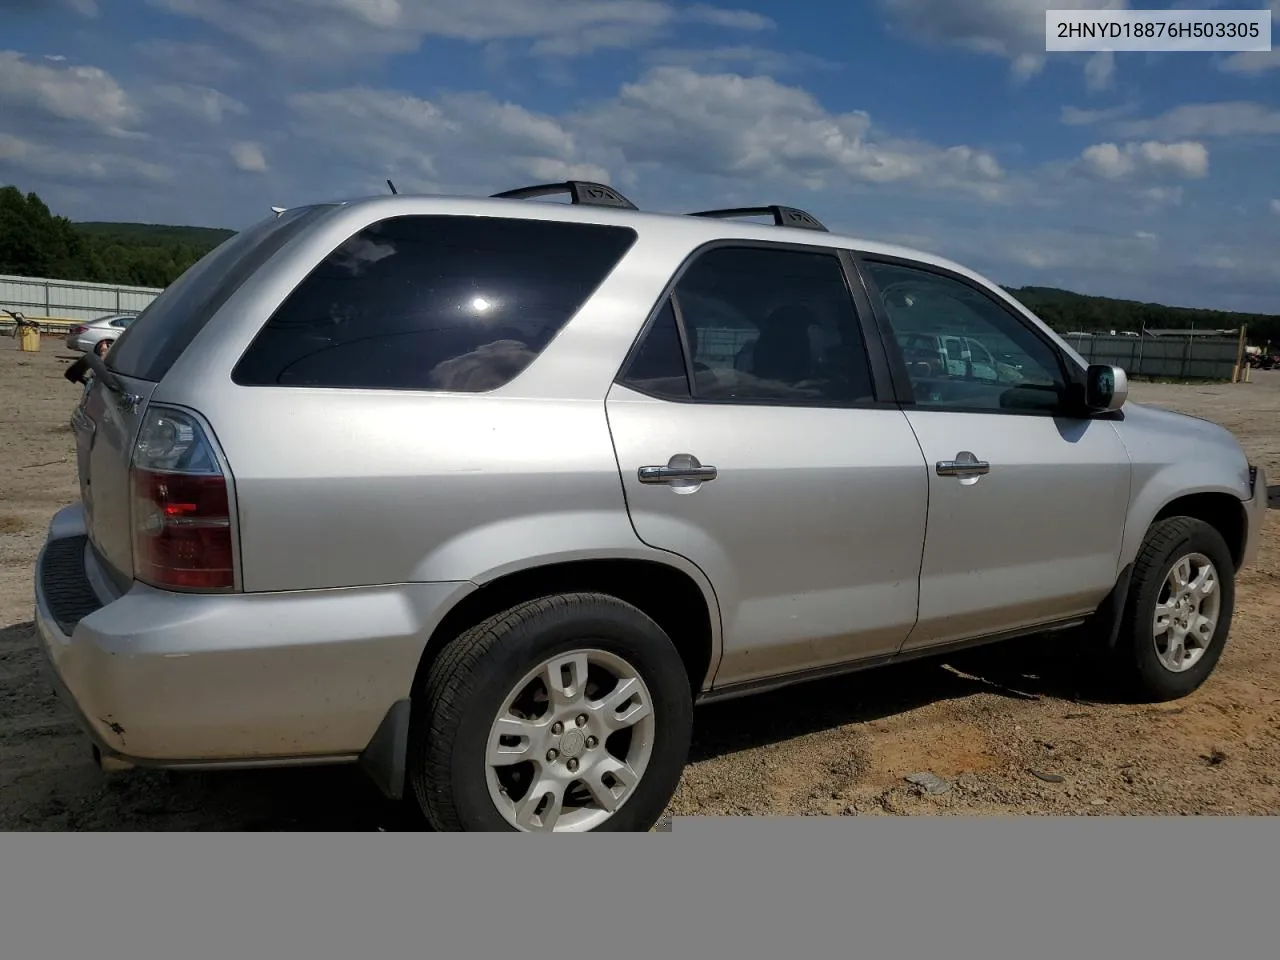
(964, 465)
(683, 470)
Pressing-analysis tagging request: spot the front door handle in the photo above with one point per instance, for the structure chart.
(964, 465)
(683, 471)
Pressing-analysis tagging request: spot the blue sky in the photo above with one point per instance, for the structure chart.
(941, 124)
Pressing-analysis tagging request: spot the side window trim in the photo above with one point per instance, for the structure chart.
(906, 393)
(883, 372)
(888, 371)
(683, 334)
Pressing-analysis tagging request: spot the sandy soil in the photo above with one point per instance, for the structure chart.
(1019, 729)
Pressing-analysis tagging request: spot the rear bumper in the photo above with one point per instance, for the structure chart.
(1256, 513)
(175, 680)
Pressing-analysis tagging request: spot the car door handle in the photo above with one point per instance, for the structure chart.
(682, 467)
(964, 465)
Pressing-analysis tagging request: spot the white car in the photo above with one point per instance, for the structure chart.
(98, 335)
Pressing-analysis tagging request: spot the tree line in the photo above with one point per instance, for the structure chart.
(34, 242)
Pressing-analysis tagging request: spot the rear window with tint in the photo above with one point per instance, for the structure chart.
(433, 303)
(153, 342)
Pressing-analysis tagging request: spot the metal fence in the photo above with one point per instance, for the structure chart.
(1171, 356)
(45, 300)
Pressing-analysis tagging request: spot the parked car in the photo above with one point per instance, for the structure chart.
(98, 335)
(484, 494)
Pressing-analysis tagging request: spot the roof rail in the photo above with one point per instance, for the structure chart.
(580, 191)
(782, 216)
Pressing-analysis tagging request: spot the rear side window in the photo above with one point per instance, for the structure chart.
(433, 303)
(773, 325)
(657, 367)
(156, 338)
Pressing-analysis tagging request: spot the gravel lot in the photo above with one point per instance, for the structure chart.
(1020, 729)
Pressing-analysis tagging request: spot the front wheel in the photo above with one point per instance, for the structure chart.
(570, 713)
(1179, 609)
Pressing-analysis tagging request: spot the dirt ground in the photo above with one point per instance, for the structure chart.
(1021, 729)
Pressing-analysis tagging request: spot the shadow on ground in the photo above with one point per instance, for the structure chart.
(55, 786)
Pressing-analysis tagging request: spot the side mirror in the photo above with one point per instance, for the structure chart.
(1106, 388)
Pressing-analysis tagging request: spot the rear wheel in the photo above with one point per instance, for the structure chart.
(1179, 609)
(101, 347)
(570, 713)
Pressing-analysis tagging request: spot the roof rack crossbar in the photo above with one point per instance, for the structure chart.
(580, 192)
(782, 216)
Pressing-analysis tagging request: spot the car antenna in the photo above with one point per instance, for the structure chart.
(393, 187)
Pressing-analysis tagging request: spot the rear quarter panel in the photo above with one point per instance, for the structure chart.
(409, 488)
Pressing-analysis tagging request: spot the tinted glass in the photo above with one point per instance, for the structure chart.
(433, 303)
(657, 367)
(773, 325)
(150, 345)
(962, 349)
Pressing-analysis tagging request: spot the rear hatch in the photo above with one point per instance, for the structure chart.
(107, 421)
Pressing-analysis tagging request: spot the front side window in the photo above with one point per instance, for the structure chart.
(961, 348)
(447, 303)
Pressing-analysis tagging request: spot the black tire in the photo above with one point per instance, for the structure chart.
(473, 675)
(1168, 541)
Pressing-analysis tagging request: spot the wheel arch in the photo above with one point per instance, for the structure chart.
(1218, 508)
(681, 601)
(1216, 504)
(1222, 511)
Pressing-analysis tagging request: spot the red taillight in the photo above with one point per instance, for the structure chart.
(182, 530)
(76, 331)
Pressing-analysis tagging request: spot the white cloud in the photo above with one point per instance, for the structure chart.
(727, 125)
(249, 157)
(1275, 207)
(1012, 29)
(753, 59)
(1256, 62)
(1147, 235)
(1155, 198)
(1100, 71)
(1252, 62)
(200, 103)
(1222, 119)
(319, 30)
(1110, 161)
(671, 122)
(1081, 117)
(193, 62)
(730, 19)
(460, 139)
(87, 95)
(51, 160)
(86, 8)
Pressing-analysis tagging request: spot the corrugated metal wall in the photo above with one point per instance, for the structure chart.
(1207, 358)
(39, 298)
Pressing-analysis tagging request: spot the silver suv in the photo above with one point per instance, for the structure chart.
(486, 494)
